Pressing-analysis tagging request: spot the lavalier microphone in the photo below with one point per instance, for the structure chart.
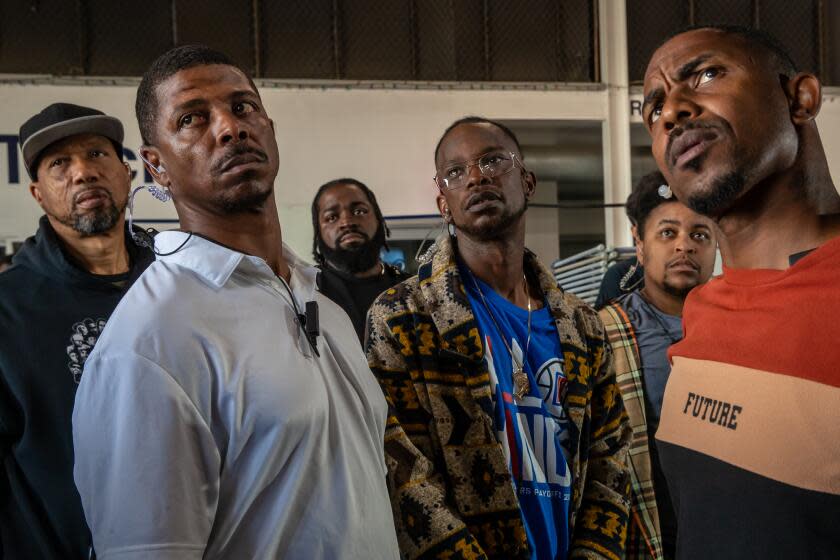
(308, 320)
(311, 328)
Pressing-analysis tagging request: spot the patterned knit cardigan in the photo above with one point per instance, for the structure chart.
(643, 534)
(450, 484)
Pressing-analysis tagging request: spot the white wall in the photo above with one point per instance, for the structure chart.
(828, 123)
(542, 226)
(384, 137)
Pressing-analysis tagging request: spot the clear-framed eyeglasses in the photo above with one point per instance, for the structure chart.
(456, 175)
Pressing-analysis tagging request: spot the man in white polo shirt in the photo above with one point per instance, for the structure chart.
(214, 419)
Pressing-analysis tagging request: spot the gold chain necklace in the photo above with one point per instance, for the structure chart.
(521, 385)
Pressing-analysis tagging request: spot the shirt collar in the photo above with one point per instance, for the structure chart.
(216, 263)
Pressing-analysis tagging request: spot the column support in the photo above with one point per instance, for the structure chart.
(612, 31)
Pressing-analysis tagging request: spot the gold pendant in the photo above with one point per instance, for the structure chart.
(521, 385)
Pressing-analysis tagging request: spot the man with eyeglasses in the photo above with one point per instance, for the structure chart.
(507, 437)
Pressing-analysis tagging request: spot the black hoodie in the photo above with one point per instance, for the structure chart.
(51, 313)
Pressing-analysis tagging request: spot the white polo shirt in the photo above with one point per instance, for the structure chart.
(205, 427)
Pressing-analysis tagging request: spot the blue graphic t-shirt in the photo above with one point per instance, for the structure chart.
(533, 431)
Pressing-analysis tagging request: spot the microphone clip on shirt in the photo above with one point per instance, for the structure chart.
(308, 320)
(311, 328)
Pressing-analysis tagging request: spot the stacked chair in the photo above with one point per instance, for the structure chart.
(581, 274)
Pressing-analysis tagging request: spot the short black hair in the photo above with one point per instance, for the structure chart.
(644, 198)
(316, 238)
(166, 65)
(756, 38)
(479, 120)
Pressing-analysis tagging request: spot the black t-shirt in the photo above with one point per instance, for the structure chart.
(355, 295)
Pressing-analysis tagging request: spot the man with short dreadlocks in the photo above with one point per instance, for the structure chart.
(349, 234)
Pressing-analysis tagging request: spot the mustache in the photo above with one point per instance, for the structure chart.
(96, 190)
(685, 259)
(482, 196)
(693, 125)
(352, 230)
(237, 151)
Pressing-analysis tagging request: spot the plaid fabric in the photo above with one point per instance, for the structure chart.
(451, 488)
(643, 536)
